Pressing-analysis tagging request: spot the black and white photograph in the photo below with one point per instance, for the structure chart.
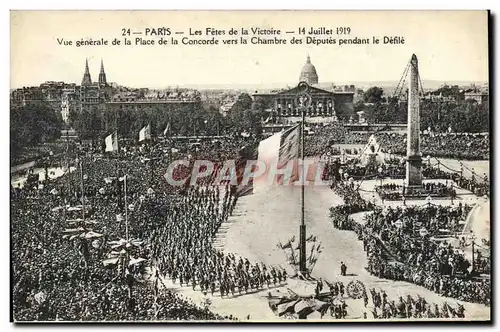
(250, 166)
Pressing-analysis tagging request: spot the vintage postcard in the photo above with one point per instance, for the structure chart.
(250, 166)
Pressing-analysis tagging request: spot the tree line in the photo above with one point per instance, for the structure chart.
(183, 119)
(462, 116)
(31, 125)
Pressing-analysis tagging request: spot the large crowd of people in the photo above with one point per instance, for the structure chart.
(469, 146)
(400, 245)
(167, 231)
(444, 145)
(478, 186)
(57, 277)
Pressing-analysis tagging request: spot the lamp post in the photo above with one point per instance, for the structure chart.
(472, 238)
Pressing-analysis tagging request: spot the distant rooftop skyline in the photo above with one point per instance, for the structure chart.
(450, 46)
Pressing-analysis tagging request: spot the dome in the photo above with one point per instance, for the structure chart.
(308, 73)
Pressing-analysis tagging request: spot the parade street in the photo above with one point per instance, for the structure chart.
(258, 212)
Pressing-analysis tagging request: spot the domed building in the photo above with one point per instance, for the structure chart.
(326, 105)
(308, 73)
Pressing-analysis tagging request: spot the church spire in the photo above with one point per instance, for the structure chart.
(102, 75)
(87, 80)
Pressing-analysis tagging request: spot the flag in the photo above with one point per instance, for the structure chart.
(167, 129)
(246, 154)
(289, 151)
(145, 133)
(109, 180)
(311, 238)
(110, 261)
(275, 151)
(112, 142)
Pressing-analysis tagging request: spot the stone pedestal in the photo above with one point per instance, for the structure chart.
(413, 171)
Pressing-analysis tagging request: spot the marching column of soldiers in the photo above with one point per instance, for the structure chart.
(410, 307)
(184, 248)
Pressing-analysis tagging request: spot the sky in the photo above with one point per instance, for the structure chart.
(450, 46)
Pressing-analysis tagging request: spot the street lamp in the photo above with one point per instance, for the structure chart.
(472, 238)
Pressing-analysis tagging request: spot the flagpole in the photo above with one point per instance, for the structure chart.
(69, 169)
(302, 235)
(83, 195)
(126, 206)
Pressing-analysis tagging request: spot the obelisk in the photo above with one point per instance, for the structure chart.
(413, 155)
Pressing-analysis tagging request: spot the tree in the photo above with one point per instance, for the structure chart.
(89, 123)
(243, 103)
(33, 124)
(374, 95)
(262, 103)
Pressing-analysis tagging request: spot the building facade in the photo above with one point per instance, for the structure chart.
(93, 95)
(326, 105)
(68, 97)
(480, 97)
